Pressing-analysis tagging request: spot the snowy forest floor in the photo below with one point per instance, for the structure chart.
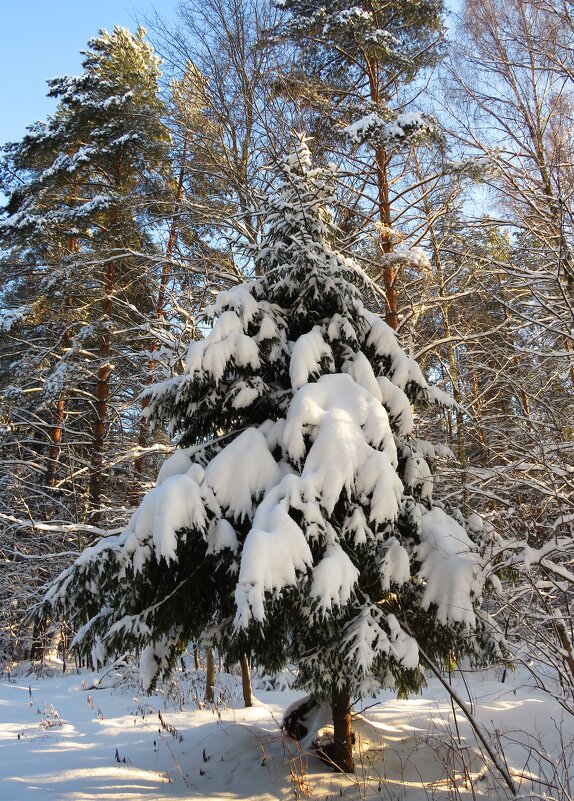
(70, 737)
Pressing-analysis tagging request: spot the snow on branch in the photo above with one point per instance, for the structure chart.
(381, 132)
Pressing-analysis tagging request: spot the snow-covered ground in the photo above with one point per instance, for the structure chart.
(62, 737)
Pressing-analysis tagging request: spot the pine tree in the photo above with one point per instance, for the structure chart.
(87, 186)
(296, 520)
(92, 178)
(357, 61)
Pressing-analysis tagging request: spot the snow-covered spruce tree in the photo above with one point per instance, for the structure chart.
(296, 521)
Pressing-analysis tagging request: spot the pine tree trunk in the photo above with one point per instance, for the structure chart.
(389, 272)
(385, 237)
(136, 490)
(98, 440)
(55, 442)
(102, 393)
(526, 407)
(210, 677)
(57, 426)
(246, 680)
(342, 753)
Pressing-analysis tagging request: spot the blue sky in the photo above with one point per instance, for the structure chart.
(41, 39)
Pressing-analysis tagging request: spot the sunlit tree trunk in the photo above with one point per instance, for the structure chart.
(246, 680)
(342, 755)
(101, 397)
(159, 313)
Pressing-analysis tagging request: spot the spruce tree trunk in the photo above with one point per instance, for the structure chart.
(246, 680)
(210, 677)
(342, 754)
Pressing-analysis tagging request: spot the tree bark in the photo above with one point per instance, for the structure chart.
(136, 490)
(57, 426)
(568, 348)
(386, 244)
(566, 645)
(246, 680)
(55, 442)
(342, 753)
(210, 677)
(38, 643)
(102, 393)
(98, 440)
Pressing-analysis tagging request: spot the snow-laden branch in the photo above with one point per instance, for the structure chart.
(60, 528)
